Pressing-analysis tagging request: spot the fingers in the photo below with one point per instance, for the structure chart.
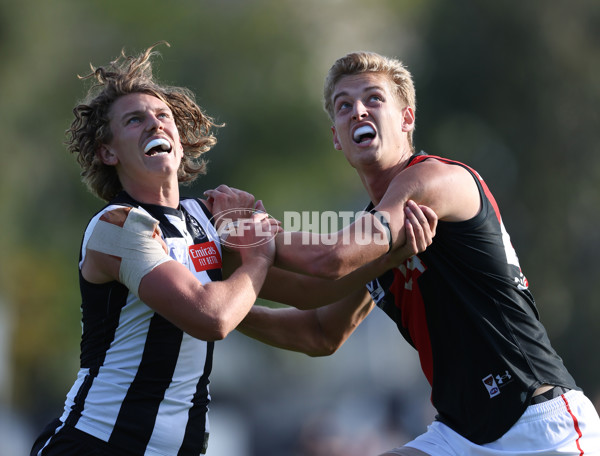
(259, 206)
(432, 217)
(224, 189)
(257, 217)
(411, 240)
(420, 226)
(415, 234)
(229, 202)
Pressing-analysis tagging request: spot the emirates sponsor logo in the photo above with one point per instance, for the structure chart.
(205, 256)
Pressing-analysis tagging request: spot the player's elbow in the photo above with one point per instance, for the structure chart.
(211, 329)
(325, 346)
(322, 352)
(215, 335)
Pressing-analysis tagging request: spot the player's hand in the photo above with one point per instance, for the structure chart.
(229, 204)
(251, 237)
(420, 225)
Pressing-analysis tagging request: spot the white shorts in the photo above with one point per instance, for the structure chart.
(566, 425)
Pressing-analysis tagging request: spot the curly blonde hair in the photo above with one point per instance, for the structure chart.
(370, 62)
(91, 128)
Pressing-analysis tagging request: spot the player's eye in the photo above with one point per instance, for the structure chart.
(343, 105)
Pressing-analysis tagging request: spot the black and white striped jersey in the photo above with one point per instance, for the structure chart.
(143, 382)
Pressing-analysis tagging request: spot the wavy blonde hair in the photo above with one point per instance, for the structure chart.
(370, 62)
(91, 128)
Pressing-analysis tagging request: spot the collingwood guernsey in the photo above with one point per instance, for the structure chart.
(143, 383)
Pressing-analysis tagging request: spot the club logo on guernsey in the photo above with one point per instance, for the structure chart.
(196, 230)
(205, 256)
(493, 383)
(490, 384)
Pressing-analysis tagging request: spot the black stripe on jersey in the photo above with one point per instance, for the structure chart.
(104, 309)
(199, 237)
(156, 367)
(209, 216)
(79, 400)
(100, 319)
(197, 415)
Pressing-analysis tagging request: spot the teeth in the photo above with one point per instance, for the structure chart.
(363, 130)
(163, 143)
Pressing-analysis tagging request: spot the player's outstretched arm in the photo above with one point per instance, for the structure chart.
(315, 332)
(447, 189)
(322, 330)
(305, 292)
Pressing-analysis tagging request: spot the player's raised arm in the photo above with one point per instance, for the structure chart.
(304, 291)
(446, 189)
(319, 330)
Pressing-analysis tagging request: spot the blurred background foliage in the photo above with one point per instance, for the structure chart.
(511, 88)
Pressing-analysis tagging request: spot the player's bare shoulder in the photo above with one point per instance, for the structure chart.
(454, 188)
(116, 216)
(448, 188)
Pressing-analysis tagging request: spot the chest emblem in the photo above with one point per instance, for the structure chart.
(205, 256)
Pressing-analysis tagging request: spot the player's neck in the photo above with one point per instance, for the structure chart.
(166, 195)
(376, 179)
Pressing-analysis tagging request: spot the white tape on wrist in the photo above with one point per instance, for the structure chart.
(226, 230)
(133, 243)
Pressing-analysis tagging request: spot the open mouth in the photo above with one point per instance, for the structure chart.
(157, 147)
(364, 134)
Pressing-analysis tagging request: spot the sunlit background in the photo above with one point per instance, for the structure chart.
(511, 88)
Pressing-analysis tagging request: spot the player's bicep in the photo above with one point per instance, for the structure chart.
(173, 291)
(449, 190)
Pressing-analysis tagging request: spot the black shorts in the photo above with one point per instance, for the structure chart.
(68, 441)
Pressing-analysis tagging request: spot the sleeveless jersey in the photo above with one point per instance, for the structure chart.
(465, 305)
(143, 383)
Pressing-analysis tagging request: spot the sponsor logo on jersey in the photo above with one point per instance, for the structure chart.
(205, 256)
(503, 379)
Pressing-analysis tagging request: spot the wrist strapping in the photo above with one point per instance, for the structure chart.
(388, 231)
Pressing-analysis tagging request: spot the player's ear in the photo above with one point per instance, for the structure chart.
(107, 155)
(408, 119)
(336, 141)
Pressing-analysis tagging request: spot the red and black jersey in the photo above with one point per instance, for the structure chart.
(465, 305)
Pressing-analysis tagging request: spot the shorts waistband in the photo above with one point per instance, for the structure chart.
(549, 408)
(549, 395)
